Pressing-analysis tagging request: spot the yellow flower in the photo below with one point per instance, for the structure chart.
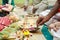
(26, 32)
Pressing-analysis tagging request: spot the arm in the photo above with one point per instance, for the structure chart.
(54, 10)
(42, 20)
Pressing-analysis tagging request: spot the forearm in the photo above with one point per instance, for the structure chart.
(54, 10)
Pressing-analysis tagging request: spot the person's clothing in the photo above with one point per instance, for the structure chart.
(44, 4)
(4, 21)
(47, 2)
(4, 2)
(41, 4)
(54, 19)
(5, 10)
(3, 13)
(8, 2)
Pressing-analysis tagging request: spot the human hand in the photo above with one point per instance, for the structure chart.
(41, 20)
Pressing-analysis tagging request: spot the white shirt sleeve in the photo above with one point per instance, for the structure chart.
(44, 13)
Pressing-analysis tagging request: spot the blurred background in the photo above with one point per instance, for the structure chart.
(19, 2)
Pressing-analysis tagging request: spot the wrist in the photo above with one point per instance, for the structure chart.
(47, 17)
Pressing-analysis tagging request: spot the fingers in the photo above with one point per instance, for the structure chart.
(39, 20)
(41, 23)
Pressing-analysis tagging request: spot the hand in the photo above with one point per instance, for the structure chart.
(41, 20)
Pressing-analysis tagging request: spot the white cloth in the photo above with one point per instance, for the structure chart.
(41, 4)
(36, 2)
(56, 34)
(44, 13)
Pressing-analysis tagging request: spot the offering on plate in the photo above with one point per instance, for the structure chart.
(29, 22)
(26, 32)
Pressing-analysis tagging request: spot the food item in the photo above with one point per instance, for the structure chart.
(12, 35)
(13, 25)
(1, 27)
(19, 34)
(26, 33)
(5, 36)
(13, 18)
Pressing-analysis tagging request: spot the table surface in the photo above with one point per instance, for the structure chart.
(37, 36)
